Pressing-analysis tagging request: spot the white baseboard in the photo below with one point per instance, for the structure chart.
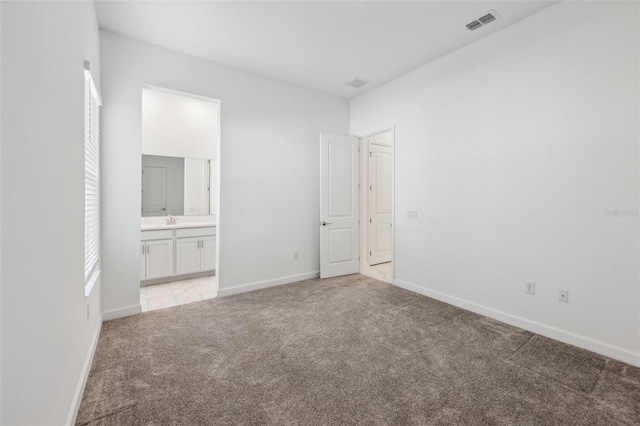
(77, 396)
(265, 284)
(584, 342)
(121, 312)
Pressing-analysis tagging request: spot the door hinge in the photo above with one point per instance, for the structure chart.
(358, 222)
(369, 253)
(370, 220)
(370, 187)
(370, 153)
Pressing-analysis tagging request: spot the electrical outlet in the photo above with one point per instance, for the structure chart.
(296, 255)
(563, 296)
(88, 311)
(530, 287)
(412, 214)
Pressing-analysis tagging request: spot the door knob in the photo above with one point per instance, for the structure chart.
(326, 223)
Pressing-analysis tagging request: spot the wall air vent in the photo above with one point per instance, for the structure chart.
(484, 20)
(357, 82)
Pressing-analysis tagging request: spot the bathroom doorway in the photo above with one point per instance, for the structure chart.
(179, 198)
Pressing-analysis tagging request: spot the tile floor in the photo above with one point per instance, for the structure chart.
(175, 293)
(380, 272)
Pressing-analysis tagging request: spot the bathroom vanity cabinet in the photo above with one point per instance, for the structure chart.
(169, 253)
(195, 250)
(157, 255)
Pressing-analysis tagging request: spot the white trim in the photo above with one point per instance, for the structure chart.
(86, 368)
(584, 342)
(121, 312)
(218, 187)
(266, 284)
(393, 202)
(184, 94)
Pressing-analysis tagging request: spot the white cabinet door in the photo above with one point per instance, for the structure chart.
(187, 255)
(143, 262)
(208, 253)
(159, 259)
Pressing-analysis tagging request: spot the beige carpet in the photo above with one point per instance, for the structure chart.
(350, 350)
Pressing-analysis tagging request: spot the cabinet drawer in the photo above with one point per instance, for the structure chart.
(196, 232)
(163, 234)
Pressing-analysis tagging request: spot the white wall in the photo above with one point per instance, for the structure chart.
(511, 149)
(268, 163)
(179, 126)
(47, 339)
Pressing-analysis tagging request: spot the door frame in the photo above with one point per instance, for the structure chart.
(364, 198)
(218, 174)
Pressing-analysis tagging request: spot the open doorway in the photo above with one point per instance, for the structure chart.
(179, 198)
(376, 205)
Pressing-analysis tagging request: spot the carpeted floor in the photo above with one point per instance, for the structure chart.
(350, 350)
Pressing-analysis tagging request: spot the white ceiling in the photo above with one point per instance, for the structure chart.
(320, 45)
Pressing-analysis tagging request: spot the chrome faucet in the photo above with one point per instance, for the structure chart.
(171, 220)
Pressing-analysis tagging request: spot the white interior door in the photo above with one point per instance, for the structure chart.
(379, 204)
(339, 205)
(154, 191)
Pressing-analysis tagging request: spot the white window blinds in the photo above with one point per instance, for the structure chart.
(91, 176)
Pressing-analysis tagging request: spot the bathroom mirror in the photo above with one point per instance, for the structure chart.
(175, 186)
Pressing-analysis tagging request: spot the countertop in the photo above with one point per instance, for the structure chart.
(160, 226)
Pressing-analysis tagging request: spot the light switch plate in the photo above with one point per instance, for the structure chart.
(412, 214)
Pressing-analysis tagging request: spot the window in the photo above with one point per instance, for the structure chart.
(91, 180)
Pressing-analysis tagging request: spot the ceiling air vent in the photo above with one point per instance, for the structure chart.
(484, 20)
(474, 25)
(357, 82)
